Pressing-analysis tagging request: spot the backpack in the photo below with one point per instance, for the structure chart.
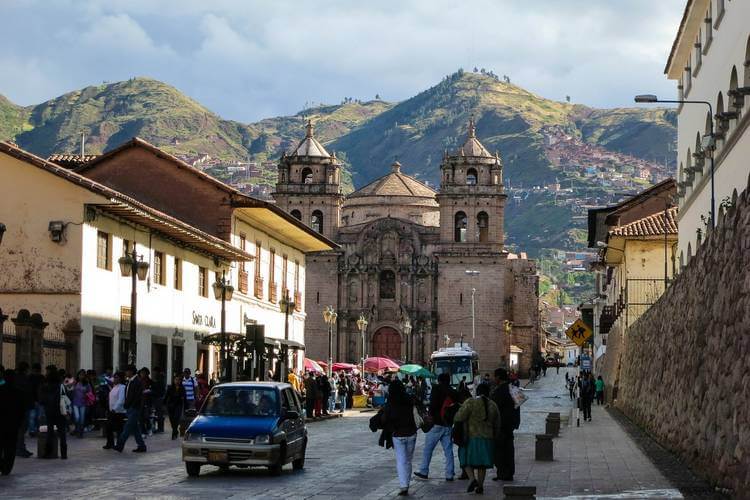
(448, 411)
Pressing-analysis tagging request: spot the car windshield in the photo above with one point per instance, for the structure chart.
(241, 402)
(457, 368)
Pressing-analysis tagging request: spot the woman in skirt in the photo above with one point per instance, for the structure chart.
(482, 420)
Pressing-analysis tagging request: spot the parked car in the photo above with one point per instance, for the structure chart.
(247, 424)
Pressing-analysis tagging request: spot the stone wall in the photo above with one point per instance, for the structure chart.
(685, 364)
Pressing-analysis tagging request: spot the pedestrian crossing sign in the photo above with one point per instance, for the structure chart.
(579, 332)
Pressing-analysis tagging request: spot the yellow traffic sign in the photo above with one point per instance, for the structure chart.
(579, 332)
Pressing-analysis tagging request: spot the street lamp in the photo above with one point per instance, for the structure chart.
(708, 141)
(223, 291)
(406, 326)
(471, 272)
(132, 265)
(329, 316)
(362, 326)
(287, 307)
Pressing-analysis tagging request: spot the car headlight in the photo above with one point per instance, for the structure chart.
(193, 436)
(262, 439)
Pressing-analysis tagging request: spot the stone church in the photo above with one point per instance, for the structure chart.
(426, 268)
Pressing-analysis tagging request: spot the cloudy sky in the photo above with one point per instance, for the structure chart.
(249, 59)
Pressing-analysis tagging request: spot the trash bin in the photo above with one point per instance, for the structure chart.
(544, 448)
(41, 443)
(552, 424)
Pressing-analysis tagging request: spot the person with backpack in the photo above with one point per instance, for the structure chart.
(442, 409)
(115, 410)
(57, 408)
(398, 419)
(510, 419)
(83, 398)
(481, 420)
(586, 386)
(133, 404)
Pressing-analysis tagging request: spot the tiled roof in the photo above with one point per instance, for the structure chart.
(395, 184)
(309, 146)
(71, 161)
(653, 225)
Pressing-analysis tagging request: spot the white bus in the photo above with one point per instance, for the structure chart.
(459, 361)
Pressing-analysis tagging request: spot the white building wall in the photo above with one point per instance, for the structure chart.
(728, 48)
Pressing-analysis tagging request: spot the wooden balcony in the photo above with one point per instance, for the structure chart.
(243, 279)
(258, 287)
(272, 292)
(298, 301)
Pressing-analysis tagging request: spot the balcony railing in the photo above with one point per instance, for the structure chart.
(298, 301)
(272, 292)
(258, 287)
(243, 281)
(634, 299)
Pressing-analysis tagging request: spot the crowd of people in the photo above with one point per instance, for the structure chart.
(587, 390)
(481, 425)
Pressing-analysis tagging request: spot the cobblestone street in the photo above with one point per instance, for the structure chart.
(596, 460)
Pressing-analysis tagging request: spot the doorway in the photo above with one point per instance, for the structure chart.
(158, 356)
(102, 353)
(201, 363)
(177, 359)
(386, 343)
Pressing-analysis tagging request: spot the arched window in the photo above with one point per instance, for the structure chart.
(483, 224)
(307, 176)
(387, 285)
(689, 166)
(316, 221)
(471, 177)
(459, 235)
(297, 214)
(736, 100)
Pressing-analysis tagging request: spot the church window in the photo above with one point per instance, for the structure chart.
(471, 177)
(316, 221)
(387, 285)
(307, 176)
(483, 223)
(460, 228)
(297, 214)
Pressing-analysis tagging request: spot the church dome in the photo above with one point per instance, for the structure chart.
(309, 146)
(393, 195)
(472, 147)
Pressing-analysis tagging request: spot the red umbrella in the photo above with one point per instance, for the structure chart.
(338, 367)
(312, 366)
(323, 364)
(375, 365)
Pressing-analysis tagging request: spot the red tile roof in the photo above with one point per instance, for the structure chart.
(653, 225)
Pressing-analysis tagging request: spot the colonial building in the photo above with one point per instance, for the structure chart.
(425, 268)
(710, 61)
(61, 249)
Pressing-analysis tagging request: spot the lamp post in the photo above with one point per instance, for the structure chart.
(132, 265)
(223, 291)
(362, 326)
(287, 307)
(470, 272)
(329, 316)
(406, 326)
(707, 141)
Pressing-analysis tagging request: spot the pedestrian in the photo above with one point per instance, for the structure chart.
(51, 396)
(115, 410)
(309, 387)
(398, 417)
(202, 389)
(510, 420)
(146, 402)
(82, 398)
(13, 404)
(37, 412)
(176, 402)
(325, 393)
(482, 421)
(443, 396)
(543, 364)
(571, 387)
(133, 403)
(158, 389)
(343, 392)
(24, 388)
(586, 388)
(188, 382)
(599, 386)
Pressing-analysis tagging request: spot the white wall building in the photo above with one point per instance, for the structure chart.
(710, 60)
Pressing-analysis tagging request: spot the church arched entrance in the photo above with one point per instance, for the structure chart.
(386, 343)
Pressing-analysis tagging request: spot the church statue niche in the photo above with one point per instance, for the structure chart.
(387, 284)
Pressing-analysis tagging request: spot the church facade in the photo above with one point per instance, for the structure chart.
(425, 268)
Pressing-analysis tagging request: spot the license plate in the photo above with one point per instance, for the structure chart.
(218, 456)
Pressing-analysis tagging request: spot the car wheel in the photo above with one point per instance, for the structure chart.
(223, 468)
(193, 469)
(299, 464)
(275, 469)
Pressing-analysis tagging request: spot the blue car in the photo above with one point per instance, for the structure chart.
(247, 424)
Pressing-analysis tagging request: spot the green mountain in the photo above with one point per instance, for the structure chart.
(539, 139)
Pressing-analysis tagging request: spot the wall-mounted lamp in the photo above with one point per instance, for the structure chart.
(56, 230)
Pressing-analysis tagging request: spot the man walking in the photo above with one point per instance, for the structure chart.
(158, 390)
(510, 419)
(190, 386)
(133, 402)
(443, 395)
(12, 404)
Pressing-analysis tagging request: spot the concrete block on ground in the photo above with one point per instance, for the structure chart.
(519, 492)
(544, 448)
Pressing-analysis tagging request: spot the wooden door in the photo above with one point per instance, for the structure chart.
(386, 343)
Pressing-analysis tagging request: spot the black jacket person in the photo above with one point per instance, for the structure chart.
(510, 419)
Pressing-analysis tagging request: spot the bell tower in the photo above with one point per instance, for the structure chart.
(471, 198)
(309, 185)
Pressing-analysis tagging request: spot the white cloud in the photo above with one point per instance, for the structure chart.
(248, 60)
